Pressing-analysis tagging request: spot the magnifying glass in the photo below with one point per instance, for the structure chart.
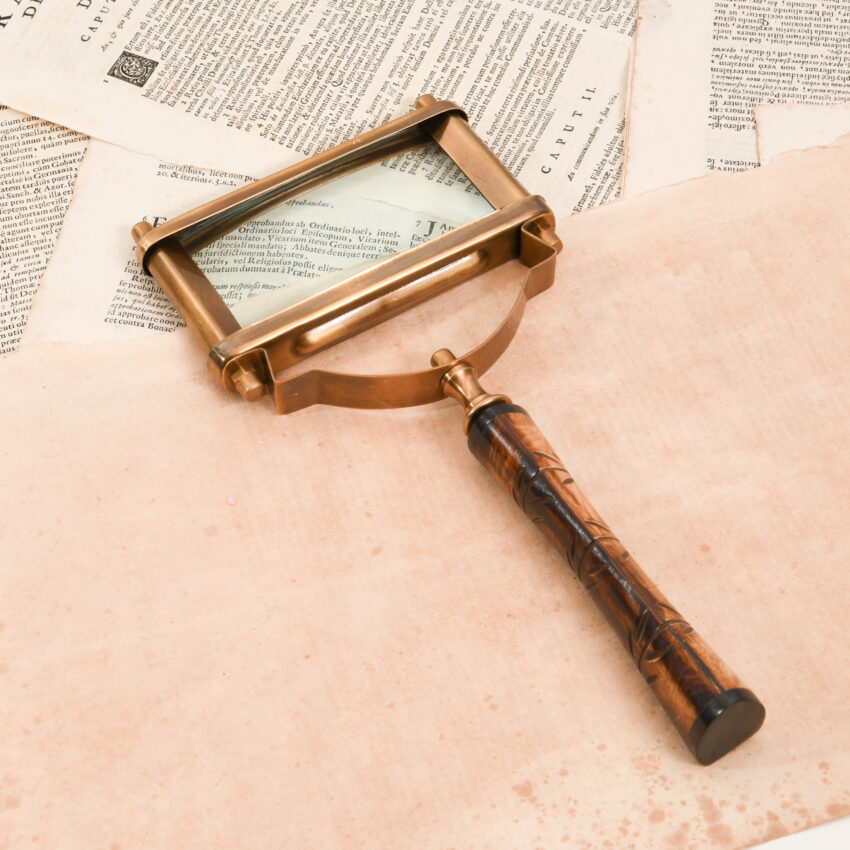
(273, 273)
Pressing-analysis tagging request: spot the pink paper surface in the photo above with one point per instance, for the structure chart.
(228, 629)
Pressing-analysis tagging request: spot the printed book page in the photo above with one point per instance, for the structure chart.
(38, 167)
(249, 87)
(228, 629)
(783, 127)
(701, 67)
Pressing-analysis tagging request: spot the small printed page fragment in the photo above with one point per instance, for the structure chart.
(702, 66)
(38, 167)
(791, 126)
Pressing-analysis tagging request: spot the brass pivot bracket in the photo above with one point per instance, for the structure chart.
(460, 382)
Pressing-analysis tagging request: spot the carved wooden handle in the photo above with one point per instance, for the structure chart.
(705, 700)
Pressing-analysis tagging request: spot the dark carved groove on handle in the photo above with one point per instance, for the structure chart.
(705, 700)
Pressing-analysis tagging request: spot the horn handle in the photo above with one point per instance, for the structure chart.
(707, 703)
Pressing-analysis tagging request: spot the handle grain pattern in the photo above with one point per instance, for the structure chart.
(711, 710)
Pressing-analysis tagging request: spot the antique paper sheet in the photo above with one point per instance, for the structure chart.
(38, 165)
(250, 87)
(700, 68)
(790, 126)
(227, 629)
(94, 288)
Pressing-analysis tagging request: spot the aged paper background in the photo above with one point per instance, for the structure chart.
(227, 629)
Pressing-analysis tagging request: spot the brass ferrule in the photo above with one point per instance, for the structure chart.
(460, 382)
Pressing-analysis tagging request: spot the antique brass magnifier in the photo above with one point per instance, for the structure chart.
(289, 265)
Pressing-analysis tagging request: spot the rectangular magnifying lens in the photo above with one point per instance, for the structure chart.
(304, 246)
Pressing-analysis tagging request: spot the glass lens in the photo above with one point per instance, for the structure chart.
(304, 246)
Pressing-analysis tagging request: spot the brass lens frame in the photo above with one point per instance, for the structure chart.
(252, 360)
